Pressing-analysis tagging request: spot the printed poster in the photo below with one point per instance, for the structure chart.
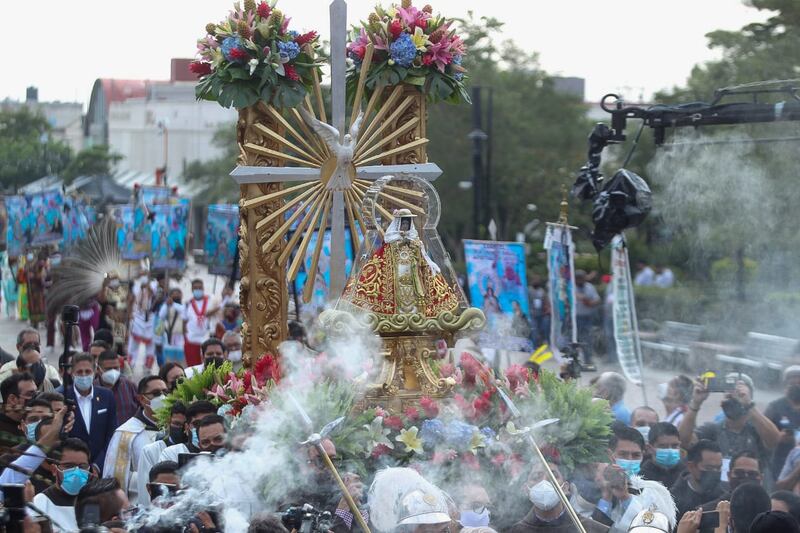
(169, 235)
(561, 278)
(75, 220)
(3, 225)
(154, 195)
(45, 209)
(626, 331)
(222, 229)
(496, 275)
(123, 219)
(322, 277)
(18, 230)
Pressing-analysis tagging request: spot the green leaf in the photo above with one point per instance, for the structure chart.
(415, 80)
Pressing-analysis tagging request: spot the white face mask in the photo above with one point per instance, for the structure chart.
(235, 356)
(645, 431)
(110, 377)
(543, 496)
(663, 391)
(157, 403)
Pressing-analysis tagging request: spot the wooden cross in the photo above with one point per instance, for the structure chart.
(314, 202)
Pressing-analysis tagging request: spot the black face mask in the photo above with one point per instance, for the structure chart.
(216, 361)
(733, 408)
(38, 371)
(176, 435)
(709, 481)
(177, 301)
(794, 393)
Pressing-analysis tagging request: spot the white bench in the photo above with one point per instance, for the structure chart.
(763, 355)
(673, 344)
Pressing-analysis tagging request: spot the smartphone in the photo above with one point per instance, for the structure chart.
(721, 384)
(91, 515)
(709, 520)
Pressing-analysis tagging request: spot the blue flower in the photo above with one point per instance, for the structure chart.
(488, 435)
(457, 61)
(293, 34)
(230, 44)
(290, 48)
(403, 50)
(432, 432)
(459, 434)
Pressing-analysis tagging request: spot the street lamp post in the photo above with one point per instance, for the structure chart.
(477, 136)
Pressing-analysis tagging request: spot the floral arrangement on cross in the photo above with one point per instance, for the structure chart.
(411, 46)
(252, 56)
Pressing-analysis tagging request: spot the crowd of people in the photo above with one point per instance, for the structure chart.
(84, 440)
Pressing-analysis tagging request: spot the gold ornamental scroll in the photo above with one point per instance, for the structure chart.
(263, 292)
(417, 109)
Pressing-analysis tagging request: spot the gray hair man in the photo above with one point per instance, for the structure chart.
(611, 386)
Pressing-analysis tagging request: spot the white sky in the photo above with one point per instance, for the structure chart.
(637, 46)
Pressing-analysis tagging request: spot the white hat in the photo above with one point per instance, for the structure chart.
(423, 507)
(650, 521)
(791, 371)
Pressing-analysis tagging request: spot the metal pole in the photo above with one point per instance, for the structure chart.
(477, 136)
(490, 212)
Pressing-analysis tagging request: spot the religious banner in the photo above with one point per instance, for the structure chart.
(169, 236)
(626, 331)
(123, 219)
(44, 212)
(155, 195)
(496, 275)
(319, 291)
(17, 232)
(561, 277)
(75, 220)
(3, 225)
(222, 228)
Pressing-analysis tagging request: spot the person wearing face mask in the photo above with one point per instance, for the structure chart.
(38, 415)
(626, 448)
(173, 434)
(109, 375)
(45, 376)
(474, 506)
(548, 514)
(142, 326)
(191, 443)
(230, 321)
(170, 319)
(72, 473)
(664, 463)
(172, 373)
(785, 414)
(125, 447)
(197, 322)
(675, 395)
(744, 469)
(214, 353)
(95, 409)
(642, 419)
(16, 391)
(232, 340)
(743, 427)
(701, 482)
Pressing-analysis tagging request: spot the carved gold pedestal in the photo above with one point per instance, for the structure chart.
(417, 109)
(263, 290)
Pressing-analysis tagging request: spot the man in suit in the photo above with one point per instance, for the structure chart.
(95, 408)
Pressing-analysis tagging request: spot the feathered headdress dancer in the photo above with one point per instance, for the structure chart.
(79, 277)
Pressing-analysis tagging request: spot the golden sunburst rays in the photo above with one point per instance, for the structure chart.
(307, 205)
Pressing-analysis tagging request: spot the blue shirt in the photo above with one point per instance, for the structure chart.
(621, 413)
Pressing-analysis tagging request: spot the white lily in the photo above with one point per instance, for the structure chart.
(253, 65)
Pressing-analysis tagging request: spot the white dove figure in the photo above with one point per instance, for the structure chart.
(338, 172)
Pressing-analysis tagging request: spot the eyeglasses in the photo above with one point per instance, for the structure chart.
(711, 468)
(155, 393)
(68, 466)
(748, 474)
(127, 514)
(479, 507)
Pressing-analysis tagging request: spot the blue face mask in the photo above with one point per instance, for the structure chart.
(198, 294)
(195, 438)
(83, 383)
(630, 466)
(667, 457)
(74, 480)
(472, 519)
(30, 431)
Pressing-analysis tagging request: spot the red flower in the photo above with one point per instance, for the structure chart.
(379, 411)
(482, 404)
(412, 413)
(264, 10)
(551, 453)
(267, 368)
(393, 422)
(517, 375)
(380, 449)
(470, 366)
(395, 28)
(305, 38)
(430, 407)
(291, 73)
(499, 459)
(200, 68)
(237, 54)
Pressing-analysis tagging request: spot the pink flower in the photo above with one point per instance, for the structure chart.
(470, 461)
(470, 366)
(285, 25)
(457, 46)
(430, 407)
(443, 457)
(440, 54)
(413, 17)
(379, 411)
(498, 460)
(412, 413)
(482, 404)
(393, 422)
(379, 450)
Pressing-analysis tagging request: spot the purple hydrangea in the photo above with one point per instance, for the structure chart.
(488, 435)
(230, 44)
(432, 432)
(290, 48)
(458, 434)
(403, 50)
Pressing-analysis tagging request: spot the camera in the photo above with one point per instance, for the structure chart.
(307, 519)
(13, 512)
(572, 368)
(69, 315)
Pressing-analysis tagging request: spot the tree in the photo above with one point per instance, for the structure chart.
(212, 175)
(93, 161)
(27, 151)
